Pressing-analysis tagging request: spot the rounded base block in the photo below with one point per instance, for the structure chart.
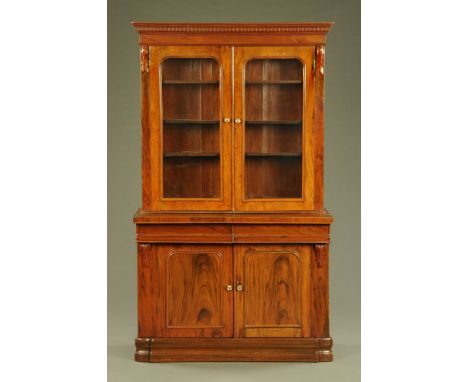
(233, 349)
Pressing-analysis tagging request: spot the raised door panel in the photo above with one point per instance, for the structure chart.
(190, 141)
(194, 300)
(273, 299)
(274, 145)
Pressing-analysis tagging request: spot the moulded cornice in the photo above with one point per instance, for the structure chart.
(144, 27)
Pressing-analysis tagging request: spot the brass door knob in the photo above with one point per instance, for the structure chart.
(229, 287)
(227, 120)
(237, 120)
(239, 288)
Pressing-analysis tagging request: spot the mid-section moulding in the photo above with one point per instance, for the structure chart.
(157, 217)
(230, 228)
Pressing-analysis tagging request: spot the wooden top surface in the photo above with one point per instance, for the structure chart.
(232, 33)
(152, 217)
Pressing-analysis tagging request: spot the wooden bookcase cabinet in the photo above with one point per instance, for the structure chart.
(233, 237)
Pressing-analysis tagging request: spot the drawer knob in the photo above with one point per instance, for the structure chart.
(239, 287)
(237, 120)
(229, 287)
(227, 120)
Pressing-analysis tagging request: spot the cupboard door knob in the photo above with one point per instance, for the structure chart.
(239, 288)
(227, 120)
(229, 287)
(237, 120)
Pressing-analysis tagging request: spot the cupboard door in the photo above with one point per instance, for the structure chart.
(273, 108)
(272, 291)
(194, 300)
(190, 129)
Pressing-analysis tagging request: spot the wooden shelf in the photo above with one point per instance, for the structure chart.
(192, 121)
(188, 82)
(271, 122)
(274, 82)
(182, 154)
(277, 154)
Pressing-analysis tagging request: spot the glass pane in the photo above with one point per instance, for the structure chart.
(273, 128)
(191, 139)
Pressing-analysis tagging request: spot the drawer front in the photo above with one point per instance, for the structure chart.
(286, 233)
(237, 233)
(184, 233)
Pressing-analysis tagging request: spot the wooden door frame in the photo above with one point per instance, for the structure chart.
(154, 150)
(163, 254)
(305, 255)
(306, 55)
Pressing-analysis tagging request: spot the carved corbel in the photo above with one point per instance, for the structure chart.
(144, 59)
(321, 59)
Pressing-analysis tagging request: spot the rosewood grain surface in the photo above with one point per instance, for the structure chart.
(237, 233)
(191, 289)
(232, 237)
(184, 233)
(233, 349)
(320, 291)
(148, 303)
(318, 128)
(280, 233)
(160, 217)
(275, 299)
(194, 292)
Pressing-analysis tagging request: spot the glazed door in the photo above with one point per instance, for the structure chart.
(190, 128)
(273, 97)
(192, 290)
(272, 291)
